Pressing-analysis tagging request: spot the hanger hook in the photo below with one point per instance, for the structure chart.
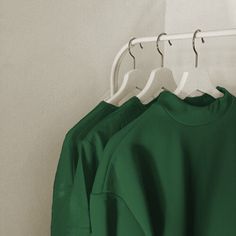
(130, 53)
(158, 48)
(194, 45)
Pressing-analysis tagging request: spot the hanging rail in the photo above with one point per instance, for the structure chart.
(117, 61)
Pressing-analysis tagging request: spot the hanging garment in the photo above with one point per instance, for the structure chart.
(67, 164)
(91, 152)
(170, 172)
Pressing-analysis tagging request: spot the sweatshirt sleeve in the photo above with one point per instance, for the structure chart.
(62, 186)
(78, 206)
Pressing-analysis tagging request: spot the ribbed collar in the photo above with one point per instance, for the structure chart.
(196, 110)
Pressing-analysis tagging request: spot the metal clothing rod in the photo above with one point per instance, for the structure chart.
(124, 49)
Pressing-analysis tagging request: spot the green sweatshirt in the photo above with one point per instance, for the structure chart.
(90, 155)
(67, 164)
(171, 172)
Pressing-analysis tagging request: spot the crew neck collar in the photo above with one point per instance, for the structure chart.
(103, 104)
(196, 110)
(135, 102)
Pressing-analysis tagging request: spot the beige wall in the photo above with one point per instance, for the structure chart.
(55, 60)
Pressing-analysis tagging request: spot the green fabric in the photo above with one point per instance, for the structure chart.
(90, 155)
(171, 172)
(67, 165)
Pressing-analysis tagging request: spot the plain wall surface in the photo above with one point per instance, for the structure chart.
(55, 61)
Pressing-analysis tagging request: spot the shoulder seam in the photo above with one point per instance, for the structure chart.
(113, 153)
(124, 202)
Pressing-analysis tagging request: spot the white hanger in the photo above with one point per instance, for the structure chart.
(195, 79)
(159, 79)
(134, 79)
